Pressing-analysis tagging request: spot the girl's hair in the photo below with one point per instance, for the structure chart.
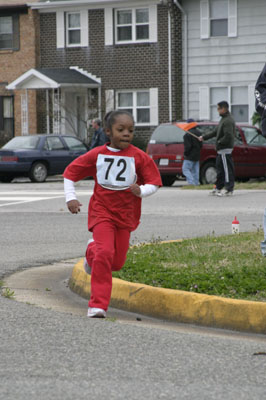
(111, 116)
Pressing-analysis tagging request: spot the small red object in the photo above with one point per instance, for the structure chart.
(235, 221)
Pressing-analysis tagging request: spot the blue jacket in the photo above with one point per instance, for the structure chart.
(98, 138)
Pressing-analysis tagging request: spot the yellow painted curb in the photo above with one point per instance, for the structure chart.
(178, 305)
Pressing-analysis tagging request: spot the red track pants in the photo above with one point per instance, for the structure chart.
(106, 254)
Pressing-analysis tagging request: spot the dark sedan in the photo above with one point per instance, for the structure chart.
(37, 156)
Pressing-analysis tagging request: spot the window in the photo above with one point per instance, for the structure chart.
(219, 17)
(253, 137)
(54, 143)
(73, 29)
(237, 97)
(137, 103)
(239, 103)
(9, 34)
(74, 144)
(7, 116)
(132, 25)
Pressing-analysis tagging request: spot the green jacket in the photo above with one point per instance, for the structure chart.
(225, 133)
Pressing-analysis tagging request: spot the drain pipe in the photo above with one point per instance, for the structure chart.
(170, 67)
(178, 5)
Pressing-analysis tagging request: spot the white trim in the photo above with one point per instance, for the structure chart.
(152, 24)
(154, 107)
(87, 74)
(60, 29)
(170, 67)
(109, 100)
(204, 103)
(204, 19)
(232, 18)
(108, 26)
(21, 82)
(50, 7)
(251, 102)
(24, 114)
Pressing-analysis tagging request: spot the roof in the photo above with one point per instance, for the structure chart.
(53, 78)
(44, 4)
(15, 3)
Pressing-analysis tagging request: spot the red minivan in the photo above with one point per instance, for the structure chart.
(166, 147)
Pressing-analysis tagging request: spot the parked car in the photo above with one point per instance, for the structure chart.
(166, 147)
(38, 156)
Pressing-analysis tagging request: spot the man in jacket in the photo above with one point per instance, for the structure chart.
(99, 137)
(260, 96)
(192, 146)
(225, 136)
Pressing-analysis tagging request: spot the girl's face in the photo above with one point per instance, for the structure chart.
(121, 133)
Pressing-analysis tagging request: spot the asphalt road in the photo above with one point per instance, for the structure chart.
(48, 354)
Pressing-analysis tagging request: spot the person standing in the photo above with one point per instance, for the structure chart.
(225, 134)
(99, 138)
(260, 99)
(192, 147)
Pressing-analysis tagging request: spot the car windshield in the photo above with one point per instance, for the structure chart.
(253, 136)
(22, 142)
(167, 134)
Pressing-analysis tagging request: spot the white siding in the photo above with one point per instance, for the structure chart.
(224, 61)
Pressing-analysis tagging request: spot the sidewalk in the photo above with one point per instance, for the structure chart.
(177, 305)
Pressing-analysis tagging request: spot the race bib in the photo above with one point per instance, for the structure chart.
(115, 172)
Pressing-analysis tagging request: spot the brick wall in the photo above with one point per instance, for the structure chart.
(134, 66)
(15, 63)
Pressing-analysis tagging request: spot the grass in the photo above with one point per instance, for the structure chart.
(229, 266)
(255, 184)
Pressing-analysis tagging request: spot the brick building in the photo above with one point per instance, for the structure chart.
(131, 49)
(19, 51)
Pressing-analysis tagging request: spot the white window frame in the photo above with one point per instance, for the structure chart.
(68, 29)
(153, 105)
(205, 105)
(133, 25)
(218, 19)
(205, 19)
(62, 31)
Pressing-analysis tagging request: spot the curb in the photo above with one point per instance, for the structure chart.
(178, 305)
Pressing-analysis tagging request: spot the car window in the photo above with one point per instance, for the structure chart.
(53, 143)
(74, 144)
(167, 134)
(22, 142)
(238, 138)
(253, 136)
(204, 130)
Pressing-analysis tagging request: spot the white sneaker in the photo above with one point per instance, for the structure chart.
(228, 193)
(86, 266)
(96, 313)
(215, 192)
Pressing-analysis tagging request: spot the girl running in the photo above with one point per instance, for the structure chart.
(123, 174)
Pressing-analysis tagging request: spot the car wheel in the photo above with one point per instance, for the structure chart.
(168, 180)
(38, 172)
(208, 173)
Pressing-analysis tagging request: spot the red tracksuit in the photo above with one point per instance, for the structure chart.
(114, 211)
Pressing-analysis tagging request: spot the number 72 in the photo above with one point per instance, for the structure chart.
(121, 162)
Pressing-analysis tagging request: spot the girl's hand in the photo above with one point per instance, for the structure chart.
(74, 206)
(135, 189)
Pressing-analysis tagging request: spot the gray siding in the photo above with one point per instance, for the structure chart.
(225, 61)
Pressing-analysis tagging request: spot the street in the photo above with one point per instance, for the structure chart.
(50, 354)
